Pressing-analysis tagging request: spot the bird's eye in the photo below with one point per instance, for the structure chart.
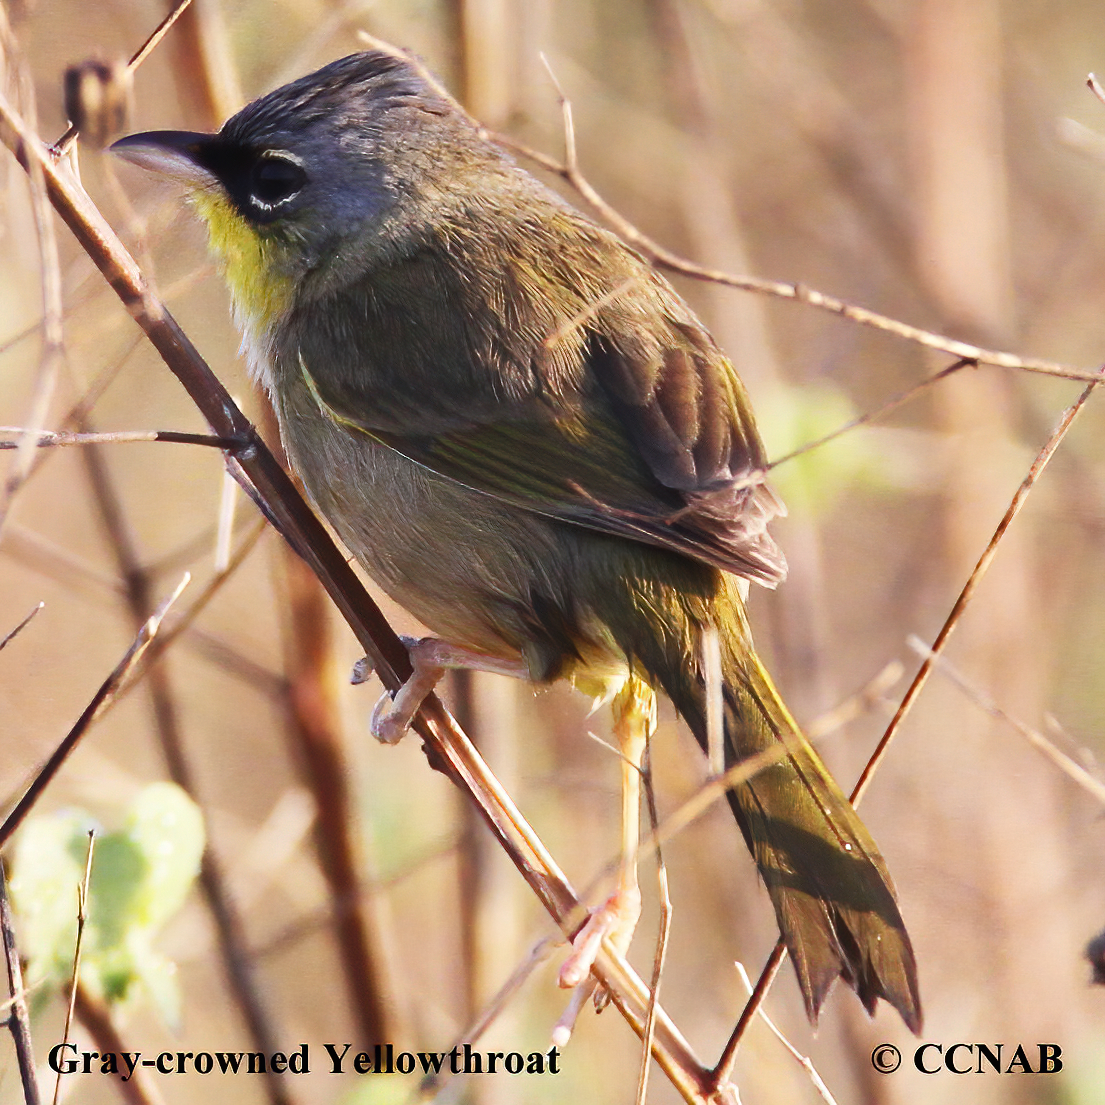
(275, 180)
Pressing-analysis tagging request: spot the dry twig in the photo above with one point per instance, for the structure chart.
(17, 1019)
(75, 980)
(12, 634)
(985, 702)
(63, 144)
(663, 935)
(803, 1061)
(569, 171)
(100, 701)
(48, 439)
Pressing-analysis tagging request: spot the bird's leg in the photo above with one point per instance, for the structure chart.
(430, 659)
(634, 708)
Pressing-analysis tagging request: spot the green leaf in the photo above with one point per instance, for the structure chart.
(47, 868)
(167, 828)
(141, 875)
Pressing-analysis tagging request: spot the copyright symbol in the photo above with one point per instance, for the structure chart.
(886, 1058)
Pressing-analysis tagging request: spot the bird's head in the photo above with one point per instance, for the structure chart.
(301, 185)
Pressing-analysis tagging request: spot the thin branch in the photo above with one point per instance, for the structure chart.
(870, 416)
(432, 1084)
(62, 145)
(985, 702)
(569, 171)
(755, 1002)
(803, 1061)
(728, 1056)
(100, 701)
(53, 350)
(48, 439)
(969, 588)
(74, 982)
(187, 618)
(18, 1020)
(20, 627)
(159, 33)
(662, 937)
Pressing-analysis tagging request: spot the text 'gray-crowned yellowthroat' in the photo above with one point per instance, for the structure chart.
(529, 441)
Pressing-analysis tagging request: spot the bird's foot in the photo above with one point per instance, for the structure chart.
(616, 919)
(563, 1029)
(393, 713)
(430, 659)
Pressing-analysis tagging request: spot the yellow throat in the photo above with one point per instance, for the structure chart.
(260, 295)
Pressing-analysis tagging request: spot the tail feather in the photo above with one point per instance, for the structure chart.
(832, 894)
(833, 898)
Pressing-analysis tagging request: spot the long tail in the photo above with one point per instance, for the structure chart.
(833, 898)
(832, 894)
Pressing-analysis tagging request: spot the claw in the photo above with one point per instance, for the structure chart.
(387, 724)
(430, 659)
(616, 918)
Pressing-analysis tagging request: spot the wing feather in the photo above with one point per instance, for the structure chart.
(601, 402)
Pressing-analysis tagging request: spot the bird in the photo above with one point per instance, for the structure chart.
(528, 439)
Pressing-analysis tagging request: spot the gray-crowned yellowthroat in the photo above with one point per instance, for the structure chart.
(529, 440)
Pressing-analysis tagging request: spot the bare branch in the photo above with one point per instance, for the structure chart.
(62, 145)
(984, 701)
(803, 1060)
(21, 626)
(53, 351)
(569, 171)
(100, 701)
(663, 935)
(18, 1020)
(433, 1084)
(969, 588)
(870, 416)
(74, 982)
(48, 439)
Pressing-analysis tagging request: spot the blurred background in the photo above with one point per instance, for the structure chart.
(940, 161)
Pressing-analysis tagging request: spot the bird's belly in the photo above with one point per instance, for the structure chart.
(463, 563)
